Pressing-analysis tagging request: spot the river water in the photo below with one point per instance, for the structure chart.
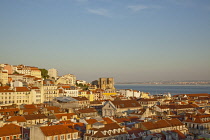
(173, 89)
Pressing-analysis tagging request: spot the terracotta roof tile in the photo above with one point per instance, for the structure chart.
(10, 129)
(69, 115)
(16, 118)
(22, 89)
(126, 103)
(91, 121)
(57, 130)
(30, 106)
(108, 120)
(161, 124)
(35, 116)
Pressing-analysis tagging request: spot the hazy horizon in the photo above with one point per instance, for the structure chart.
(138, 40)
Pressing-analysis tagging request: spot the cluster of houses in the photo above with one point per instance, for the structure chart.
(45, 109)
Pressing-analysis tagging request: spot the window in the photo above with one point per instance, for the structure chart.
(14, 137)
(55, 137)
(25, 135)
(62, 137)
(7, 138)
(75, 135)
(68, 136)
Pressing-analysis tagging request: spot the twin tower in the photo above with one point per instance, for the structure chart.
(106, 84)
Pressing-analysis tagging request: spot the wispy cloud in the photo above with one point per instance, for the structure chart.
(136, 8)
(100, 12)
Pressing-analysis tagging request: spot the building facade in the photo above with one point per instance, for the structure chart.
(53, 73)
(107, 84)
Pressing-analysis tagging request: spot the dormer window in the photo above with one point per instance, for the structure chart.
(109, 132)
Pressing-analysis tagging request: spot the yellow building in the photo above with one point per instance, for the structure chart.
(3, 77)
(18, 95)
(90, 96)
(35, 72)
(82, 93)
(145, 95)
(107, 96)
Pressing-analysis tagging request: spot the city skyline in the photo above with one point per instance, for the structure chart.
(128, 40)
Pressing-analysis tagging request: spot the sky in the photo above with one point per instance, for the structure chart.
(130, 40)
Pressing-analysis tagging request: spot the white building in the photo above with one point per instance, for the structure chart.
(81, 82)
(21, 95)
(37, 95)
(18, 84)
(69, 91)
(67, 79)
(53, 73)
(130, 93)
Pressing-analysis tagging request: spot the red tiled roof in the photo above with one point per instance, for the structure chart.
(16, 118)
(22, 89)
(30, 106)
(10, 129)
(87, 110)
(35, 116)
(55, 109)
(35, 88)
(57, 130)
(69, 115)
(5, 89)
(126, 103)
(106, 127)
(9, 110)
(107, 120)
(120, 120)
(91, 121)
(161, 124)
(80, 98)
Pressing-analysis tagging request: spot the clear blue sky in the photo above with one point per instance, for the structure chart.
(130, 40)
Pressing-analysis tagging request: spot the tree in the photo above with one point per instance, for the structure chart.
(15, 72)
(84, 87)
(44, 73)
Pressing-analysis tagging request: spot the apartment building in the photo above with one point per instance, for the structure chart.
(120, 107)
(3, 77)
(20, 95)
(162, 125)
(50, 90)
(17, 95)
(111, 131)
(55, 132)
(28, 70)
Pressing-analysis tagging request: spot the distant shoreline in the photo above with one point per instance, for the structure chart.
(162, 84)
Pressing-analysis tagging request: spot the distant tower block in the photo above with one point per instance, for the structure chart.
(53, 73)
(106, 84)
